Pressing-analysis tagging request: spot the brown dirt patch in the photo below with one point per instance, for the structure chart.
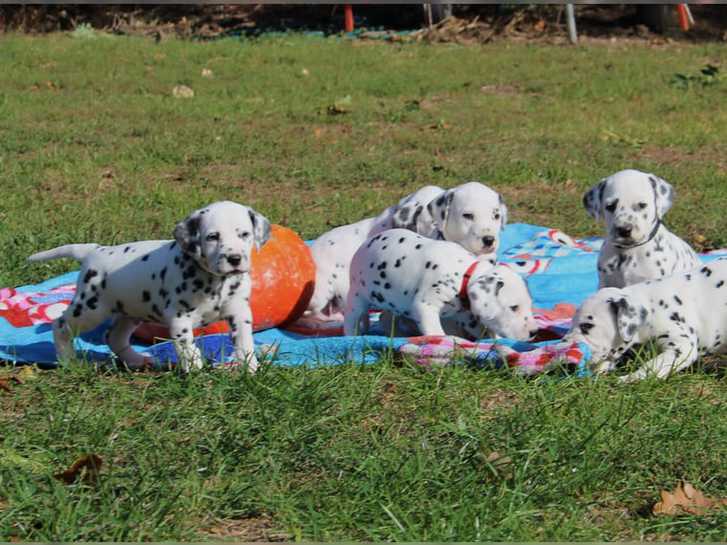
(498, 399)
(671, 155)
(259, 528)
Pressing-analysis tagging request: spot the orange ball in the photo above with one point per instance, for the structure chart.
(283, 276)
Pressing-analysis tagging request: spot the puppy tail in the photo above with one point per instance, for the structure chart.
(74, 251)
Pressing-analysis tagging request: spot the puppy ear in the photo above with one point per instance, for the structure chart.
(663, 195)
(630, 316)
(187, 234)
(503, 213)
(260, 228)
(593, 199)
(405, 216)
(439, 209)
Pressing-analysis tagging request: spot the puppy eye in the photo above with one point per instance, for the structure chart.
(468, 216)
(585, 328)
(515, 308)
(213, 236)
(244, 235)
(496, 216)
(642, 205)
(611, 207)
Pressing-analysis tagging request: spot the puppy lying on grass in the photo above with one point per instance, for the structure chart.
(684, 314)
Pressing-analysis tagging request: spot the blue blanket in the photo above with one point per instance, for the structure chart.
(558, 269)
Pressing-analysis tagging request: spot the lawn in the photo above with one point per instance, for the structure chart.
(314, 133)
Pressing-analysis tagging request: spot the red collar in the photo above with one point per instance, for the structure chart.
(465, 283)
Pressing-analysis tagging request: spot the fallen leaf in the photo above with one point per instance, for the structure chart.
(182, 91)
(206, 73)
(686, 499)
(86, 467)
(497, 459)
(304, 72)
(539, 26)
(340, 106)
(5, 384)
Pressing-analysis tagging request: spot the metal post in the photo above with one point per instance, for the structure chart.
(571, 20)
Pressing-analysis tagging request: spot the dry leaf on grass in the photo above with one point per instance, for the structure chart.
(19, 375)
(340, 106)
(182, 91)
(86, 467)
(686, 499)
(206, 73)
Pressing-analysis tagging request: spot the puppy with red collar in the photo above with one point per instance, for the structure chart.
(426, 280)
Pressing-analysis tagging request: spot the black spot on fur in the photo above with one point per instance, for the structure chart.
(77, 310)
(586, 327)
(145, 296)
(90, 273)
(679, 301)
(145, 258)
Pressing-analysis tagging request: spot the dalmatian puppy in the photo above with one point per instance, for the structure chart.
(684, 314)
(423, 280)
(638, 245)
(470, 214)
(201, 276)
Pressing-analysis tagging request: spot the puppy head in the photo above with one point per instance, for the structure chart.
(499, 298)
(471, 215)
(631, 203)
(219, 237)
(610, 321)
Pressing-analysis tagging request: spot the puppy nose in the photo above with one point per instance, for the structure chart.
(624, 231)
(488, 241)
(234, 259)
(533, 332)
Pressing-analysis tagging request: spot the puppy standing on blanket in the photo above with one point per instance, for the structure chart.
(638, 246)
(685, 314)
(470, 214)
(200, 277)
(423, 280)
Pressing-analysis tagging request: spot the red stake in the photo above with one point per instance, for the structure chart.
(683, 17)
(348, 17)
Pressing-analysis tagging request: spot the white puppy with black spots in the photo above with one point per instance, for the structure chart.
(684, 314)
(201, 276)
(638, 245)
(424, 280)
(470, 214)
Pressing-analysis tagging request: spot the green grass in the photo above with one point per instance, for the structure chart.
(94, 147)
